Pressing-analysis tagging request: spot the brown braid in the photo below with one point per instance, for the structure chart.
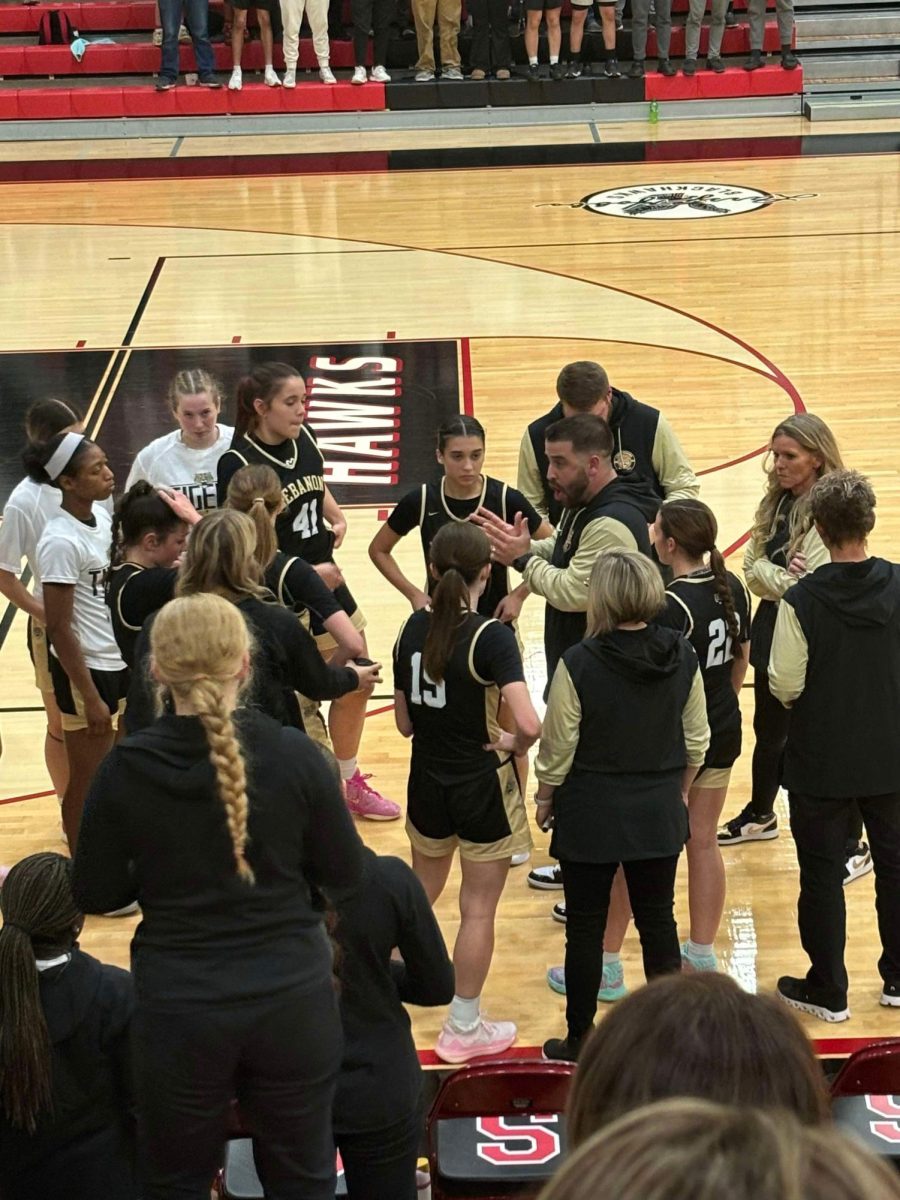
(38, 908)
(692, 525)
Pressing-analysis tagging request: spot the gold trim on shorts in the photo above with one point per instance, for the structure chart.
(76, 722)
(326, 642)
(40, 649)
(712, 777)
(518, 841)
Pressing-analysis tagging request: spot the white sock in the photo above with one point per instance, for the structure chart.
(610, 960)
(554, 59)
(465, 1014)
(348, 768)
(699, 950)
(532, 62)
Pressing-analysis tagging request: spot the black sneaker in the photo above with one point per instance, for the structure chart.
(666, 67)
(611, 69)
(534, 71)
(562, 1050)
(546, 879)
(730, 19)
(747, 827)
(574, 70)
(559, 913)
(755, 61)
(557, 70)
(165, 85)
(209, 81)
(798, 994)
(689, 66)
(714, 64)
(890, 995)
(636, 70)
(789, 60)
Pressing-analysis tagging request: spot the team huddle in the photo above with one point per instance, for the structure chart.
(209, 615)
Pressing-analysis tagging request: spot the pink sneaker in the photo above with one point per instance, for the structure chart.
(486, 1039)
(364, 801)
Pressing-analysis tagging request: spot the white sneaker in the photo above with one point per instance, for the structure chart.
(519, 860)
(326, 74)
(379, 75)
(271, 79)
(359, 75)
(290, 77)
(487, 1038)
(128, 911)
(858, 864)
(451, 73)
(236, 82)
(424, 76)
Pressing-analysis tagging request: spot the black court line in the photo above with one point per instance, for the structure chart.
(173, 153)
(10, 614)
(143, 302)
(595, 132)
(23, 708)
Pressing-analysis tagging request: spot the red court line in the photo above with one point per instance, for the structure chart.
(32, 796)
(378, 711)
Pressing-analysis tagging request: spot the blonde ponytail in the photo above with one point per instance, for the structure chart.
(197, 645)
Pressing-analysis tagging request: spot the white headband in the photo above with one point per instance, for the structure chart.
(62, 455)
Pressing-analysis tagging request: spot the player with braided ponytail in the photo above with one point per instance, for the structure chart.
(218, 820)
(711, 607)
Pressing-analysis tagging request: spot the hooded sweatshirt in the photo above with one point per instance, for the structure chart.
(84, 1150)
(154, 830)
(836, 658)
(625, 715)
(381, 1080)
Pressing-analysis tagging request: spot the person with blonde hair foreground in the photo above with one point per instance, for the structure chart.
(695, 1035)
(624, 736)
(217, 820)
(706, 1151)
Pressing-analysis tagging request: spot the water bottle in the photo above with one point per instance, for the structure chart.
(653, 115)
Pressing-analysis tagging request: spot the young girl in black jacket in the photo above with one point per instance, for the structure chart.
(66, 1120)
(218, 822)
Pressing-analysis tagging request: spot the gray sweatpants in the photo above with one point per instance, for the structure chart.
(716, 28)
(784, 11)
(640, 10)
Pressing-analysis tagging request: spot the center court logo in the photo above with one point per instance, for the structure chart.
(678, 201)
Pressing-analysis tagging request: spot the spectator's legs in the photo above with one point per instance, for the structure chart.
(424, 13)
(882, 817)
(480, 53)
(385, 11)
(362, 23)
(381, 1164)
(716, 28)
(663, 28)
(265, 36)
(317, 15)
(449, 13)
(501, 59)
(756, 13)
(170, 18)
(196, 14)
(587, 888)
(784, 11)
(291, 16)
(554, 32)
(576, 30)
(640, 11)
(532, 27)
(238, 31)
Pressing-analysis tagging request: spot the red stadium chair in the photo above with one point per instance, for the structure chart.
(873, 1070)
(497, 1130)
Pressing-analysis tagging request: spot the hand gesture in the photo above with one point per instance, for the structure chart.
(368, 676)
(179, 504)
(508, 542)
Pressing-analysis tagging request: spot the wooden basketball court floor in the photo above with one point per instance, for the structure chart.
(728, 324)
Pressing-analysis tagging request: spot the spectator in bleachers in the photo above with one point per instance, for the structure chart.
(446, 15)
(576, 38)
(375, 16)
(698, 1035)
(66, 1106)
(693, 26)
(196, 17)
(378, 1109)
(662, 21)
(291, 18)
(491, 48)
(551, 11)
(784, 12)
(186, 458)
(624, 736)
(238, 32)
(219, 820)
(835, 663)
(681, 1148)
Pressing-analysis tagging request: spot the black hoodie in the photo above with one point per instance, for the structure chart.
(622, 797)
(844, 735)
(154, 830)
(84, 1151)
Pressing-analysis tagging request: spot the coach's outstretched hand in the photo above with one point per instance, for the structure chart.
(508, 542)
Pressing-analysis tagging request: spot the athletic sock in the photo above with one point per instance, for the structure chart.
(465, 1014)
(608, 55)
(532, 62)
(699, 949)
(348, 768)
(610, 960)
(554, 59)
(575, 56)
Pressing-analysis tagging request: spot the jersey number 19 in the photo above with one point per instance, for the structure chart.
(423, 689)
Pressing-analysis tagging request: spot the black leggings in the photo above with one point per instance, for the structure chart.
(651, 889)
(490, 35)
(279, 1057)
(377, 16)
(380, 1164)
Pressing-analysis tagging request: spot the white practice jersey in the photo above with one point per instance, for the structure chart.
(168, 462)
